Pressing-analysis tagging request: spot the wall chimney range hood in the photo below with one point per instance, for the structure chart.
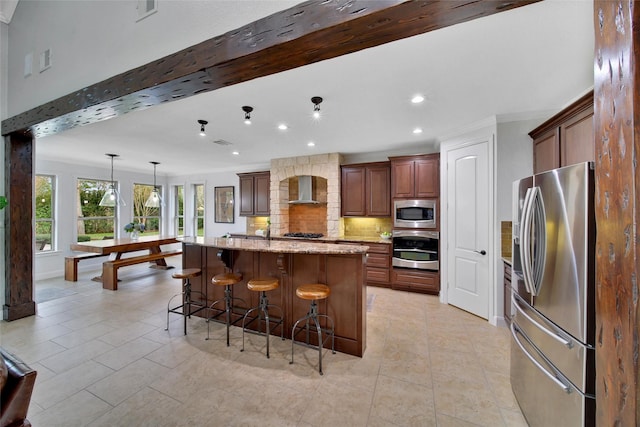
(305, 190)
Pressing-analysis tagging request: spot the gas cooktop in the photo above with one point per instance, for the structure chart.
(305, 235)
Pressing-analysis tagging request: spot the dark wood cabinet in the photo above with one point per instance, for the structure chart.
(255, 193)
(507, 292)
(378, 270)
(416, 280)
(365, 190)
(415, 176)
(566, 138)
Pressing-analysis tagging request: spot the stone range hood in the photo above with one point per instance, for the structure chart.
(326, 166)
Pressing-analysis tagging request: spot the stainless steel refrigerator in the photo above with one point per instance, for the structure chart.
(553, 297)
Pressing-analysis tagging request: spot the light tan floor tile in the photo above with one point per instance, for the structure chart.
(403, 403)
(77, 410)
(81, 336)
(62, 386)
(333, 405)
(119, 357)
(71, 358)
(146, 408)
(118, 386)
(513, 418)
(466, 400)
(449, 421)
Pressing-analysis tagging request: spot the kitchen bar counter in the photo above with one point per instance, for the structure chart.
(323, 239)
(286, 245)
(293, 262)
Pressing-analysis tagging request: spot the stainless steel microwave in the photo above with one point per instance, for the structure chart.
(414, 213)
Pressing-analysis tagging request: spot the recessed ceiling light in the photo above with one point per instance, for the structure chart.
(282, 126)
(235, 153)
(311, 144)
(417, 99)
(417, 131)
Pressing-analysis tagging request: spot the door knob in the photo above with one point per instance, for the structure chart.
(482, 252)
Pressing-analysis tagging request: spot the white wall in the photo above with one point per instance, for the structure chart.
(51, 264)
(104, 39)
(514, 160)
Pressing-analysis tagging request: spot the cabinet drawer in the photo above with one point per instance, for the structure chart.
(378, 260)
(416, 280)
(507, 271)
(379, 248)
(378, 275)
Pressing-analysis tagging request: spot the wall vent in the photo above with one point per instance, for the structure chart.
(45, 60)
(146, 8)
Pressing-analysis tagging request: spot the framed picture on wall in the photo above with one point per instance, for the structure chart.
(224, 204)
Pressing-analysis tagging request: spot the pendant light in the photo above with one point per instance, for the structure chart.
(154, 200)
(112, 196)
(247, 114)
(316, 100)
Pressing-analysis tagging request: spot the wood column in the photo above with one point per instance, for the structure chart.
(616, 125)
(18, 226)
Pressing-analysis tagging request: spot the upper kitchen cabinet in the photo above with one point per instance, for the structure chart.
(366, 190)
(415, 176)
(254, 193)
(566, 138)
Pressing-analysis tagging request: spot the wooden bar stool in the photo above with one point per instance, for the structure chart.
(186, 308)
(227, 280)
(313, 292)
(263, 286)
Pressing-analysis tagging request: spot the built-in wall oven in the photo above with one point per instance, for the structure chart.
(417, 213)
(416, 249)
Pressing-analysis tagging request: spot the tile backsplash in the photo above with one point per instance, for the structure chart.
(505, 238)
(366, 227)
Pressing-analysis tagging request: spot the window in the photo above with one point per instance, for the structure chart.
(45, 213)
(146, 215)
(178, 218)
(198, 208)
(95, 222)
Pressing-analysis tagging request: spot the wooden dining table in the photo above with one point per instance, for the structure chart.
(121, 246)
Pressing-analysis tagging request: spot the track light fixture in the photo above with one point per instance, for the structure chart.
(316, 106)
(203, 123)
(154, 200)
(247, 114)
(111, 197)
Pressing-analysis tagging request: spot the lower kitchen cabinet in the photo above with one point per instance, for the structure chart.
(378, 271)
(378, 264)
(416, 280)
(507, 292)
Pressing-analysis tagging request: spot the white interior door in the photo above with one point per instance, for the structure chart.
(468, 227)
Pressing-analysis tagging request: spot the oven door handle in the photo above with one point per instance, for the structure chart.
(415, 250)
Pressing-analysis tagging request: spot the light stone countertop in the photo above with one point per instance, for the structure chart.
(276, 246)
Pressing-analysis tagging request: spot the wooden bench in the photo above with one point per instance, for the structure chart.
(110, 268)
(71, 264)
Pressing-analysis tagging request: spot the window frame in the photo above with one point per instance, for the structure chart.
(196, 217)
(114, 218)
(51, 219)
(145, 218)
(178, 203)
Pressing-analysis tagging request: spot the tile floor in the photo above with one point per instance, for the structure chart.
(104, 359)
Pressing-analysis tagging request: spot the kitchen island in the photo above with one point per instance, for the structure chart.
(341, 267)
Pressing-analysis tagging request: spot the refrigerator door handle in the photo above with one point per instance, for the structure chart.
(525, 240)
(533, 224)
(516, 303)
(514, 332)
